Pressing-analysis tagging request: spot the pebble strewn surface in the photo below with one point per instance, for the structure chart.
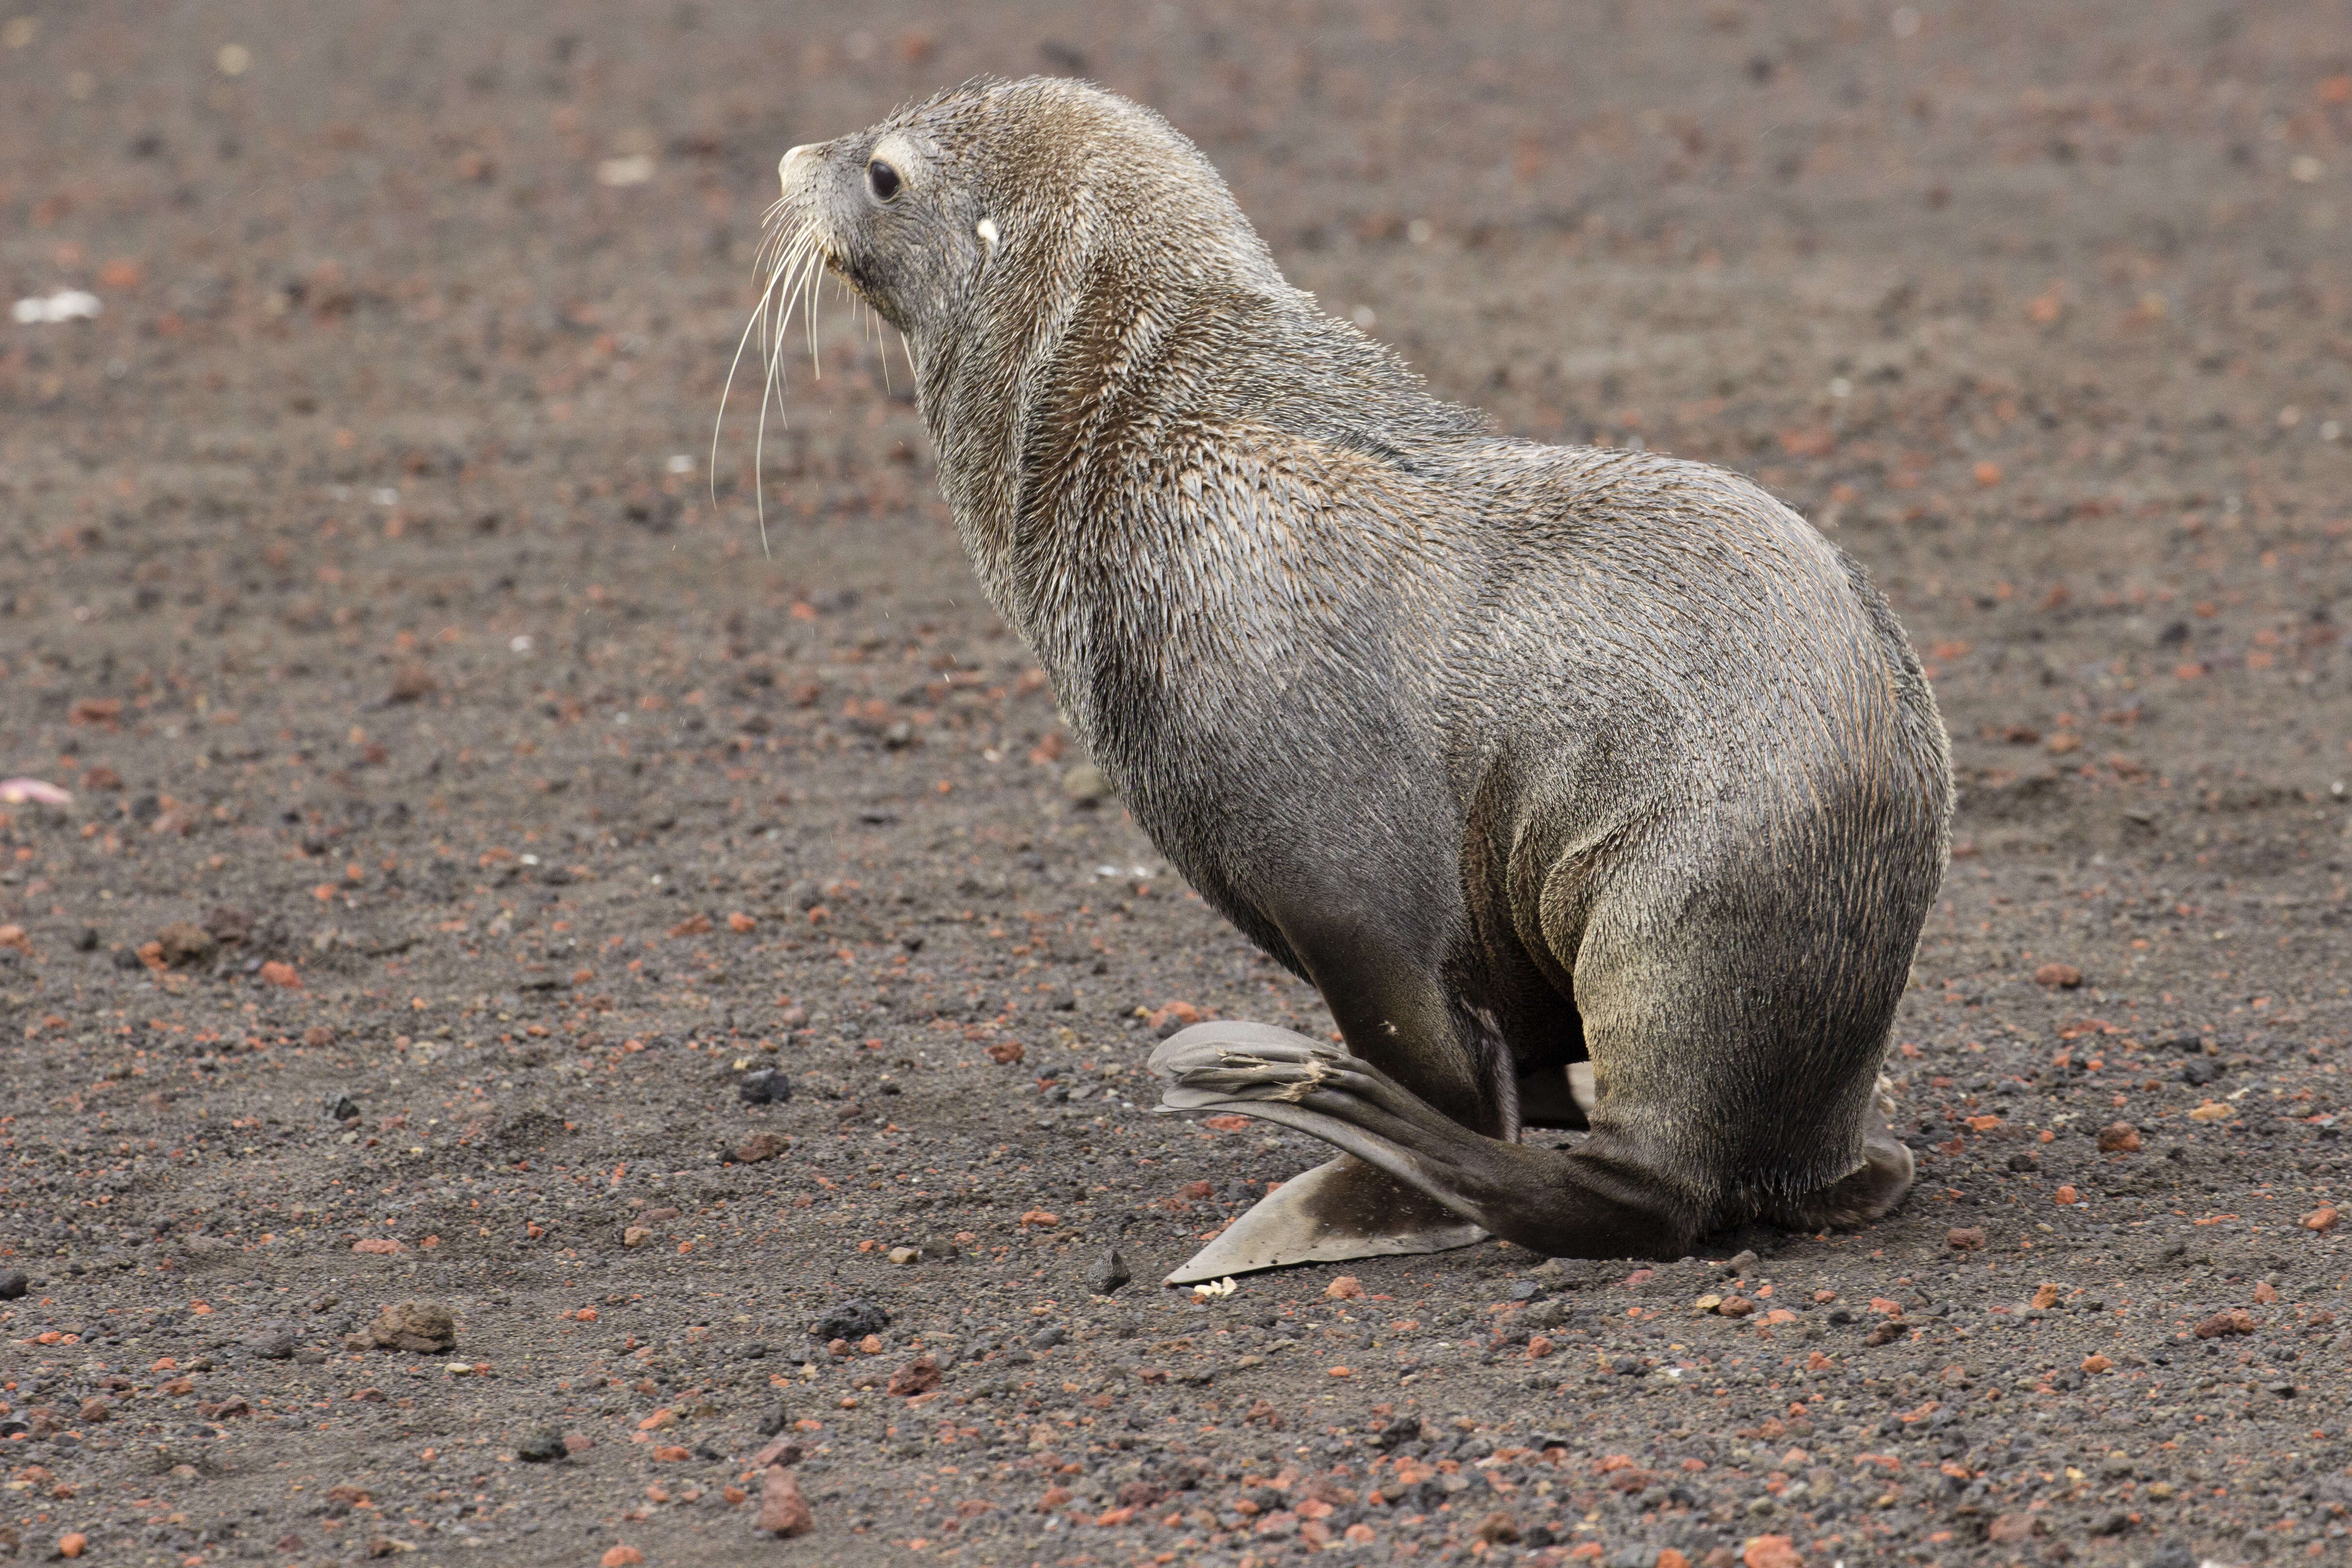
(535, 1025)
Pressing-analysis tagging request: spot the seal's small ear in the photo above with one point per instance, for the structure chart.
(986, 229)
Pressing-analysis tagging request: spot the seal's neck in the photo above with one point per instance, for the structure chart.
(1082, 448)
(1037, 423)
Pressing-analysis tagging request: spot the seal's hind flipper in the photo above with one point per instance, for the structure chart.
(1868, 1194)
(1601, 1199)
(1341, 1210)
(1309, 1086)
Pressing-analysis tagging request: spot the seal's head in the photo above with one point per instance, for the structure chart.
(1005, 203)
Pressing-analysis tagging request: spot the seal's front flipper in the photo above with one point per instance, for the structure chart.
(1343, 1209)
(1866, 1195)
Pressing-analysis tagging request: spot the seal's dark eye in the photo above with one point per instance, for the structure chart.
(882, 179)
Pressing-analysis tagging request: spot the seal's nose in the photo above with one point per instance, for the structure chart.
(803, 154)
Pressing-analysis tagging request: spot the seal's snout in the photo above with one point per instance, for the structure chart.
(792, 162)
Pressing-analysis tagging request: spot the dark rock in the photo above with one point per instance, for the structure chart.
(765, 1086)
(13, 1284)
(544, 1445)
(772, 1420)
(341, 1107)
(1108, 1274)
(1403, 1430)
(852, 1320)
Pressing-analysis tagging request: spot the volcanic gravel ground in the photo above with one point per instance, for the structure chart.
(465, 806)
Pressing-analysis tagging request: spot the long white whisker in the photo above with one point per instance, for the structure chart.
(776, 313)
(759, 317)
(812, 290)
(789, 271)
(769, 389)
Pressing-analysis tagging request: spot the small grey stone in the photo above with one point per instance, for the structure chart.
(274, 1343)
(1109, 1274)
(1546, 1315)
(544, 1445)
(13, 1284)
(1087, 785)
(765, 1086)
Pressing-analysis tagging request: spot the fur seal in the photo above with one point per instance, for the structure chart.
(1547, 766)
